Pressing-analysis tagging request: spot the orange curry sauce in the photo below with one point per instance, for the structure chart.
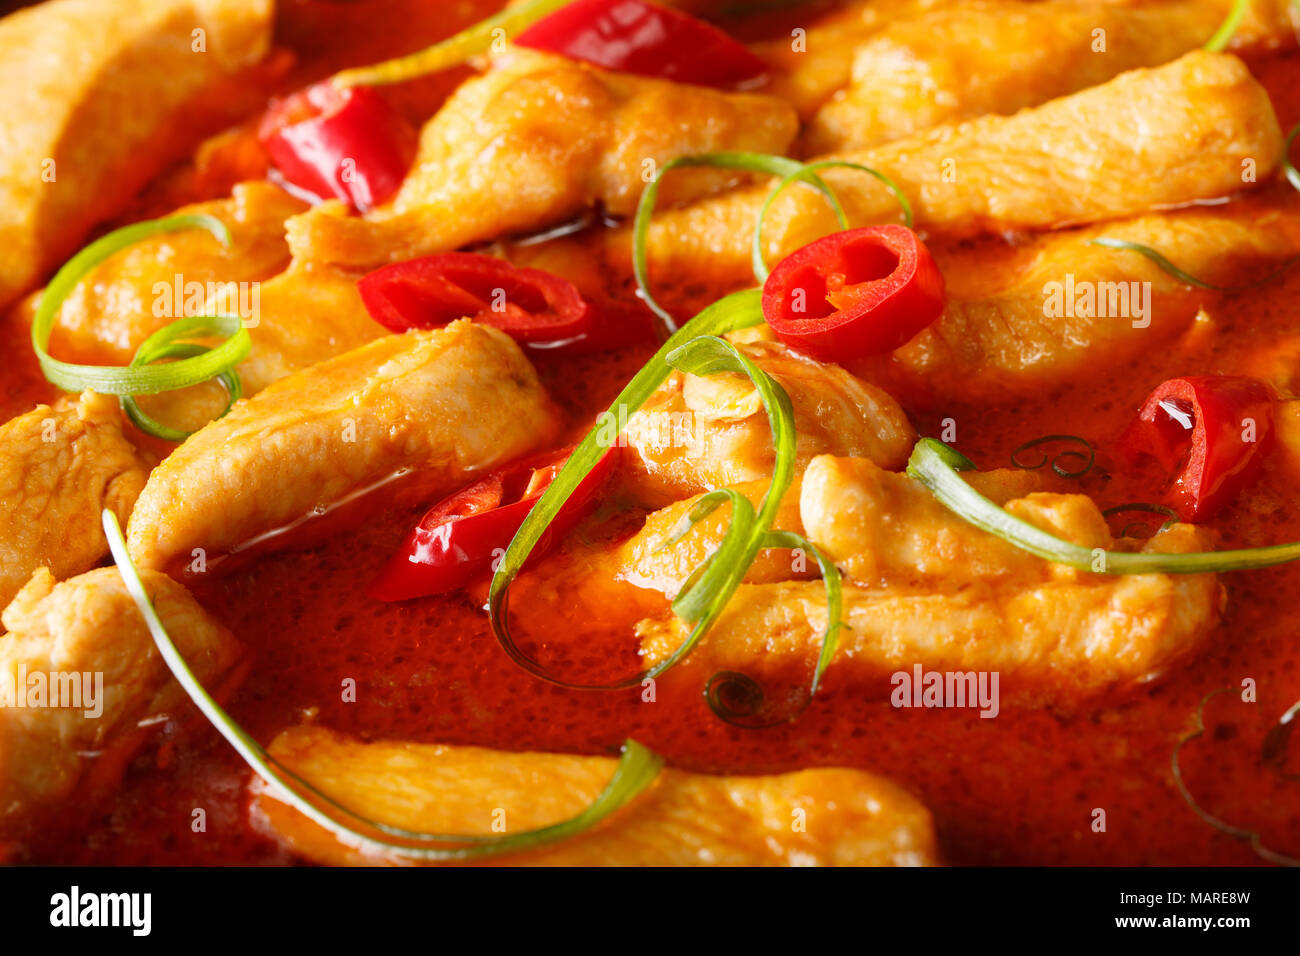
(1018, 789)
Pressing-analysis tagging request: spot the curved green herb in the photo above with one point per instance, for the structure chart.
(1088, 459)
(747, 696)
(196, 363)
(696, 350)
(453, 51)
(1241, 833)
(932, 463)
(1168, 267)
(636, 769)
(745, 162)
(806, 174)
(1288, 167)
(1223, 36)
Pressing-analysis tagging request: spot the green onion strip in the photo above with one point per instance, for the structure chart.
(697, 350)
(745, 162)
(936, 466)
(1168, 267)
(1288, 167)
(195, 363)
(808, 173)
(790, 171)
(1223, 36)
(453, 51)
(1088, 459)
(635, 771)
(749, 691)
(1241, 833)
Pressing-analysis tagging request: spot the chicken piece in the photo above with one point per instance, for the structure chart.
(850, 818)
(808, 68)
(884, 528)
(1148, 138)
(60, 467)
(152, 283)
(440, 405)
(536, 141)
(96, 101)
(310, 313)
(307, 314)
(1071, 636)
(85, 642)
(646, 560)
(297, 317)
(700, 433)
(1061, 310)
(995, 56)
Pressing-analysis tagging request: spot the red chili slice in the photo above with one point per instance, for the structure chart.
(637, 37)
(347, 144)
(1211, 431)
(855, 293)
(459, 538)
(536, 309)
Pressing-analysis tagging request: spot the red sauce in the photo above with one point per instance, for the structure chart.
(1019, 789)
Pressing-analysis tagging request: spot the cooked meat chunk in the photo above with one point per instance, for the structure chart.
(849, 818)
(60, 467)
(153, 282)
(999, 56)
(699, 433)
(1060, 309)
(310, 313)
(647, 560)
(307, 314)
(1071, 635)
(1148, 138)
(807, 69)
(296, 316)
(883, 527)
(443, 404)
(535, 141)
(95, 103)
(85, 637)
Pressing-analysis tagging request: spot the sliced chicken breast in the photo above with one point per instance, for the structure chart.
(812, 817)
(60, 467)
(439, 405)
(106, 684)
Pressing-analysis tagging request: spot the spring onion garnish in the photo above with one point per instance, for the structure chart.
(1088, 459)
(1288, 167)
(165, 344)
(1241, 833)
(195, 363)
(1223, 36)
(737, 698)
(1130, 530)
(737, 311)
(636, 769)
(707, 591)
(1173, 270)
(454, 50)
(746, 162)
(806, 174)
(932, 463)
(697, 350)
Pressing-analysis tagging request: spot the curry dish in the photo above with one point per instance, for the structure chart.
(650, 433)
